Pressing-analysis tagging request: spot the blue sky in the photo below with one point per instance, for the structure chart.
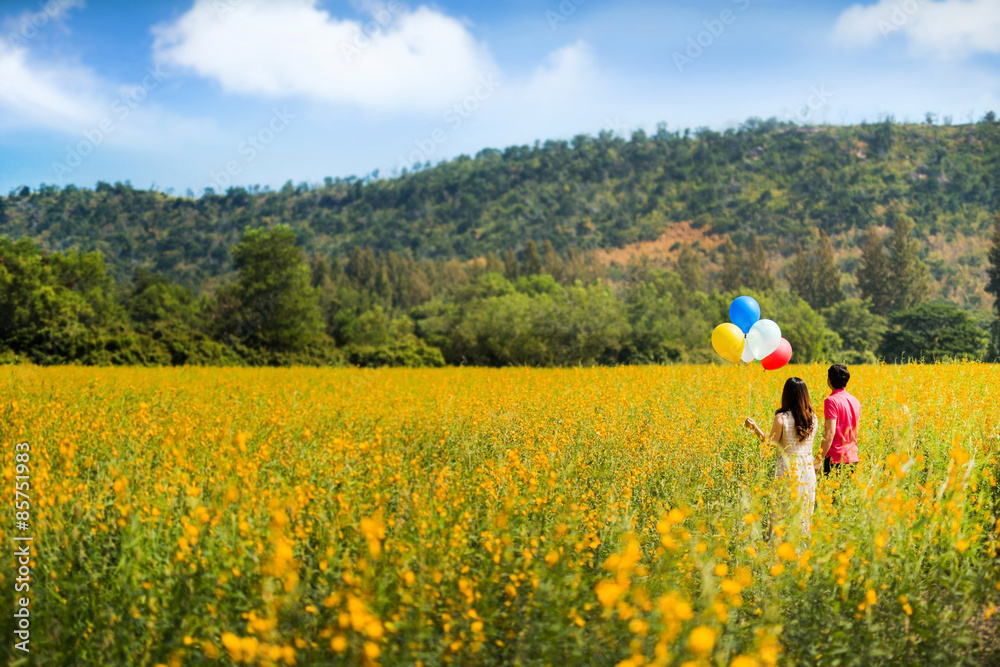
(211, 93)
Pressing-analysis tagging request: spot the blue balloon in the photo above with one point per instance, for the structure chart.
(744, 313)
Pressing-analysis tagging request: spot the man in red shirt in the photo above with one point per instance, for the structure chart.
(840, 435)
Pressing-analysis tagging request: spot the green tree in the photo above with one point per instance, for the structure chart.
(932, 332)
(689, 269)
(532, 259)
(552, 264)
(758, 274)
(826, 286)
(860, 330)
(993, 287)
(732, 268)
(155, 300)
(873, 274)
(816, 279)
(171, 318)
(881, 139)
(511, 267)
(908, 275)
(493, 263)
(272, 306)
(805, 329)
(408, 351)
(62, 308)
(539, 324)
(668, 321)
(801, 277)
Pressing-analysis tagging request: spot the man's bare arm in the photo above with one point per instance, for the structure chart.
(829, 429)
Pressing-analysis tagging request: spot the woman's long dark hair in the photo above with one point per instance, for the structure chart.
(795, 399)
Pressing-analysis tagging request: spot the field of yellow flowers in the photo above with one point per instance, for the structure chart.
(611, 516)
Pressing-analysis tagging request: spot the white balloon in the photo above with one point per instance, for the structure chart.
(747, 353)
(763, 339)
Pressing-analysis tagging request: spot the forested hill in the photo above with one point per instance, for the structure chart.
(767, 180)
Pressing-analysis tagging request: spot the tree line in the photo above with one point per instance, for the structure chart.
(536, 306)
(764, 182)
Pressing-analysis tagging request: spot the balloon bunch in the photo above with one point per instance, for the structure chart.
(748, 337)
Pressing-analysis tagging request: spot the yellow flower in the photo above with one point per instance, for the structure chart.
(373, 529)
(608, 592)
(210, 650)
(637, 626)
(730, 587)
(870, 597)
(232, 644)
(249, 646)
(374, 629)
(787, 552)
(701, 641)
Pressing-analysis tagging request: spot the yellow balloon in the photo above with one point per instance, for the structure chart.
(727, 339)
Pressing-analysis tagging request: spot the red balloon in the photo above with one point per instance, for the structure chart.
(779, 357)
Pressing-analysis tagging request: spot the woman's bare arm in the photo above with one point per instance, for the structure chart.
(775, 434)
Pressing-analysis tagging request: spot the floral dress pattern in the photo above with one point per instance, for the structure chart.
(795, 467)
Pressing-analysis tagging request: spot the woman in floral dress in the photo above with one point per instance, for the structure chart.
(793, 431)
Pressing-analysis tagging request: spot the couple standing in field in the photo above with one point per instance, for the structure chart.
(794, 430)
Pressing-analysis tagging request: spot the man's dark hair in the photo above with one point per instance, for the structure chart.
(838, 376)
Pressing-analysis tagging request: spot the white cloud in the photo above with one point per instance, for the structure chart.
(566, 72)
(947, 28)
(400, 60)
(27, 24)
(44, 94)
(567, 89)
(57, 8)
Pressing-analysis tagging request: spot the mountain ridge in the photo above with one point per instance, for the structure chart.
(767, 180)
